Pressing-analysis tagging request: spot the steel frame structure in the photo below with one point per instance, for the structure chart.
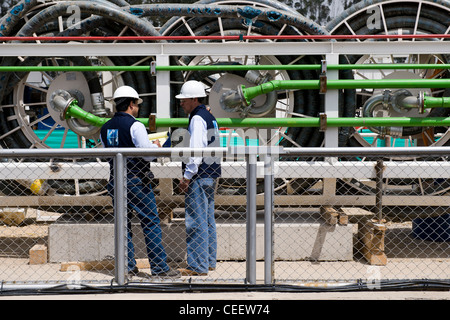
(331, 50)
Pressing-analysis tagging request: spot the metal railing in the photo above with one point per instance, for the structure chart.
(329, 245)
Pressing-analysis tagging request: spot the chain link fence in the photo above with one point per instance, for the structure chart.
(363, 216)
(307, 218)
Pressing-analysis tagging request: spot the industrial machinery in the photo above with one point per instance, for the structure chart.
(397, 18)
(29, 120)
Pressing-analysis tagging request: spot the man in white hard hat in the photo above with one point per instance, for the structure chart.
(199, 181)
(124, 131)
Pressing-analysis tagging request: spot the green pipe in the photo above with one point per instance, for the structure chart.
(73, 110)
(303, 67)
(333, 122)
(220, 68)
(250, 93)
(436, 102)
(387, 66)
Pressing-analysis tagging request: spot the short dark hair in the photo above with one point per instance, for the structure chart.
(201, 100)
(123, 103)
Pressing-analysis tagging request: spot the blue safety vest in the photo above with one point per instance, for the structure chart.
(116, 133)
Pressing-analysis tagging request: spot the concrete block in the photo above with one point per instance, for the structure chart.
(313, 241)
(292, 241)
(80, 242)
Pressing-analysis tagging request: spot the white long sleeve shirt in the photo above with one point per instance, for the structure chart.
(198, 139)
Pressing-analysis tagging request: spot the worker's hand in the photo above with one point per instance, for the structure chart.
(157, 143)
(184, 183)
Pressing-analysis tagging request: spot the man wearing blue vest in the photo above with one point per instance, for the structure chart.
(198, 182)
(124, 131)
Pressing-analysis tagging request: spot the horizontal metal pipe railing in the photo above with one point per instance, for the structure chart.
(105, 152)
(230, 38)
(219, 68)
(361, 152)
(167, 152)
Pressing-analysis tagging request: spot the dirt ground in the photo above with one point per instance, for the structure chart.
(408, 258)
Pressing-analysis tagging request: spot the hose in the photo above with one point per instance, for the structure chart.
(354, 285)
(136, 13)
(7, 24)
(133, 17)
(44, 20)
(102, 17)
(204, 26)
(232, 26)
(397, 15)
(9, 21)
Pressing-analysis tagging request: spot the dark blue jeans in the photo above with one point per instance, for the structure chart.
(141, 199)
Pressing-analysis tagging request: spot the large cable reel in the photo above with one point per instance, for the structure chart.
(21, 114)
(276, 104)
(413, 17)
(24, 103)
(26, 97)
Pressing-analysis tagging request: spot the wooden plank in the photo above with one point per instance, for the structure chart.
(279, 200)
(12, 216)
(87, 265)
(343, 218)
(98, 265)
(61, 201)
(38, 254)
(329, 214)
(354, 211)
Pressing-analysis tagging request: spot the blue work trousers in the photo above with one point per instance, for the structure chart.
(141, 199)
(201, 236)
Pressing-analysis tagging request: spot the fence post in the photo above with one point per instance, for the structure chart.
(251, 218)
(268, 219)
(120, 203)
(379, 189)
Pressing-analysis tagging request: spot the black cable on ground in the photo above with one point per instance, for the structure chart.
(359, 286)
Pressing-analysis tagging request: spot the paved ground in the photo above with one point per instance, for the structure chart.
(430, 262)
(249, 296)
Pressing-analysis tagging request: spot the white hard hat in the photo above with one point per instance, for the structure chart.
(127, 92)
(192, 89)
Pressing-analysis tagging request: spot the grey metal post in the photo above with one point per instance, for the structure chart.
(379, 189)
(251, 218)
(268, 219)
(120, 203)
